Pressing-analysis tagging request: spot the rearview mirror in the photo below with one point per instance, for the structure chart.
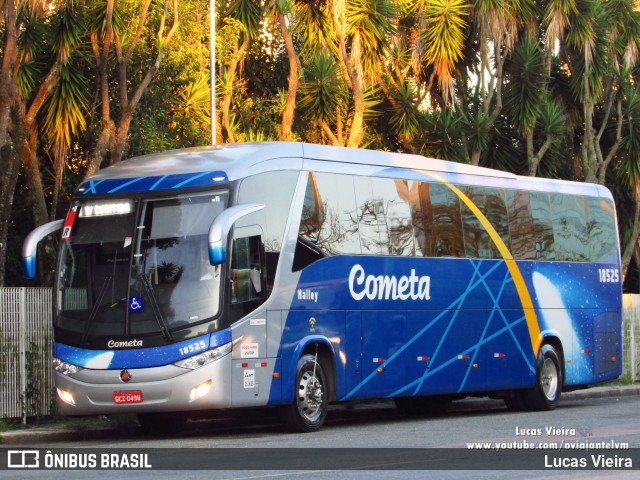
(220, 227)
(30, 245)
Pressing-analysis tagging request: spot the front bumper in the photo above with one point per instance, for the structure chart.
(164, 389)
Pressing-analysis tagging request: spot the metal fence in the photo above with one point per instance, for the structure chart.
(631, 338)
(26, 382)
(26, 334)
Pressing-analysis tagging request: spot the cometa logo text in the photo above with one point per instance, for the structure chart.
(124, 344)
(388, 287)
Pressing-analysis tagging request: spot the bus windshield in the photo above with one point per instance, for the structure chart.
(138, 267)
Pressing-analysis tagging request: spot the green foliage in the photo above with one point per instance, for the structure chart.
(444, 37)
(478, 131)
(32, 43)
(405, 120)
(369, 23)
(193, 101)
(322, 90)
(248, 13)
(66, 109)
(526, 84)
(442, 135)
(631, 140)
(227, 39)
(413, 51)
(97, 18)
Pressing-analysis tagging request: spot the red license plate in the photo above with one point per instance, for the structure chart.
(133, 396)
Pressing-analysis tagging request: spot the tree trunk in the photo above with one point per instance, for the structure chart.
(121, 137)
(292, 89)
(35, 195)
(632, 245)
(356, 133)
(225, 104)
(102, 148)
(10, 167)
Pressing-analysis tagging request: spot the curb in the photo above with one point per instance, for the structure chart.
(54, 434)
(62, 433)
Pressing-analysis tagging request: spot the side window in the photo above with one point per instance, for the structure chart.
(384, 216)
(437, 222)
(477, 241)
(542, 225)
(275, 191)
(569, 227)
(247, 269)
(602, 230)
(523, 244)
(329, 223)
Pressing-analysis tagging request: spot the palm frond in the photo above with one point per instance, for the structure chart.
(526, 83)
(321, 92)
(405, 120)
(444, 38)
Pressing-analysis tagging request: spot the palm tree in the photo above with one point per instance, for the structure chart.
(111, 34)
(33, 36)
(357, 34)
(442, 39)
(528, 102)
(628, 169)
(283, 12)
(600, 48)
(240, 25)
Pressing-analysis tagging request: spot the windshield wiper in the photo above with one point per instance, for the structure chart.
(157, 312)
(96, 306)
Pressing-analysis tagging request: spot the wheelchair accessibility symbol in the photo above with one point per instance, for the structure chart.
(136, 303)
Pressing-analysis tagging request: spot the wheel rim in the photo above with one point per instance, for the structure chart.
(310, 396)
(549, 379)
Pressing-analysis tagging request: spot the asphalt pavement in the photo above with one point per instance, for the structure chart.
(97, 428)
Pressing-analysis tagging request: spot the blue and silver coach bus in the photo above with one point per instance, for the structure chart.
(297, 275)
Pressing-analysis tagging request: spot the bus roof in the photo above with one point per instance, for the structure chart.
(227, 162)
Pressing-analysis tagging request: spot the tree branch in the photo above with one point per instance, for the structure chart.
(136, 38)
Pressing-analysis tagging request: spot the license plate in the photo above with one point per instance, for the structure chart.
(133, 396)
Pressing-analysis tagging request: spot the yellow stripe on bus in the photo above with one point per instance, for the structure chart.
(518, 280)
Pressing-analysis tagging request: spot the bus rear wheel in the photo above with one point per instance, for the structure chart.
(309, 408)
(545, 395)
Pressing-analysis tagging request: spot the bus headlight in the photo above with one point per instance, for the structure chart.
(65, 368)
(200, 391)
(66, 397)
(204, 358)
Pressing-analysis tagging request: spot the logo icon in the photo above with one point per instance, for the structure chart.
(312, 324)
(136, 303)
(125, 376)
(23, 459)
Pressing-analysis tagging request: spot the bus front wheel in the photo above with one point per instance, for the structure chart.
(546, 392)
(309, 408)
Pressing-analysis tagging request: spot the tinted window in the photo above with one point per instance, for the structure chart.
(542, 225)
(330, 219)
(275, 191)
(478, 243)
(384, 216)
(438, 224)
(523, 244)
(602, 230)
(570, 227)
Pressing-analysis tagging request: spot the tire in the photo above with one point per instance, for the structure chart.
(309, 408)
(515, 402)
(162, 423)
(422, 406)
(545, 395)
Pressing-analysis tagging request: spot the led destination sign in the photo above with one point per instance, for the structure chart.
(104, 209)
